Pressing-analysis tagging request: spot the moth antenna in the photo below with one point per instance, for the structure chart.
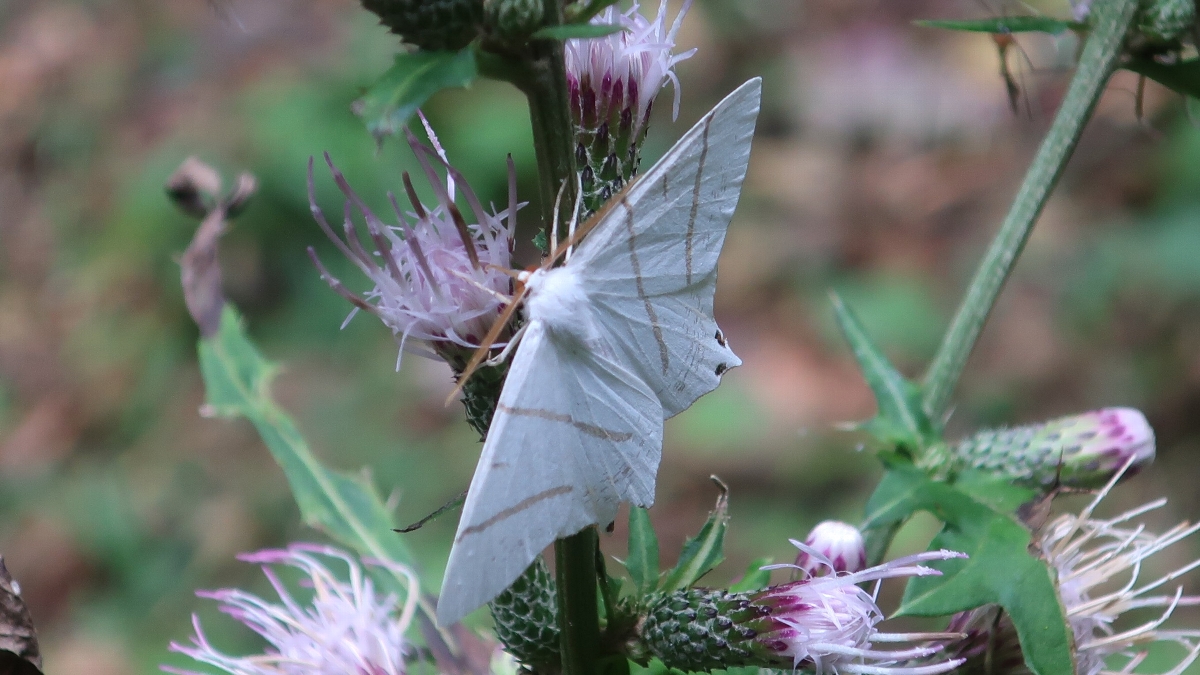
(574, 216)
(589, 224)
(485, 345)
(512, 344)
(553, 240)
(503, 270)
(467, 278)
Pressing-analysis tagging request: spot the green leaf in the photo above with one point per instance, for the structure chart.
(1009, 24)
(237, 381)
(577, 31)
(412, 79)
(900, 419)
(1000, 568)
(754, 578)
(704, 551)
(642, 562)
(1183, 77)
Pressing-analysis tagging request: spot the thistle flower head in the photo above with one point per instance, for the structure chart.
(1091, 557)
(624, 71)
(438, 279)
(613, 81)
(346, 629)
(828, 623)
(839, 548)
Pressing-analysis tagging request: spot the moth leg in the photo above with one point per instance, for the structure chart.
(574, 217)
(512, 344)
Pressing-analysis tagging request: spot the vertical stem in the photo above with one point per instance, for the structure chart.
(554, 144)
(553, 132)
(1100, 57)
(578, 610)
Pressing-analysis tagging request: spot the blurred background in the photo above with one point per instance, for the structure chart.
(885, 158)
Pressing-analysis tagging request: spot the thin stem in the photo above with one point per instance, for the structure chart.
(1100, 57)
(578, 610)
(545, 85)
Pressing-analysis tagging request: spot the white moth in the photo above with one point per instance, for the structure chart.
(619, 338)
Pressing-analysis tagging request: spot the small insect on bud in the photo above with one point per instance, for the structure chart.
(835, 547)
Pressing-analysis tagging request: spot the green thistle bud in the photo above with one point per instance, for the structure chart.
(513, 20)
(701, 629)
(1079, 451)
(526, 616)
(824, 623)
(432, 25)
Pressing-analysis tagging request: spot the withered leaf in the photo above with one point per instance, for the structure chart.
(19, 653)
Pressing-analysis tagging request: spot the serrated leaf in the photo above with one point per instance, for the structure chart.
(901, 419)
(1000, 568)
(237, 384)
(1008, 24)
(704, 551)
(577, 31)
(412, 79)
(1183, 77)
(642, 562)
(754, 578)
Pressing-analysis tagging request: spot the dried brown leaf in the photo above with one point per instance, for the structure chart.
(19, 653)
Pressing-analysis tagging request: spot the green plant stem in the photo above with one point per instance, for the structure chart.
(544, 83)
(1099, 58)
(578, 610)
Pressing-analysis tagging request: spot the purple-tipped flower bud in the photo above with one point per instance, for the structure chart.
(346, 628)
(826, 624)
(1078, 451)
(832, 547)
(613, 82)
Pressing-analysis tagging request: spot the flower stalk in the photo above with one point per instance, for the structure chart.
(1111, 21)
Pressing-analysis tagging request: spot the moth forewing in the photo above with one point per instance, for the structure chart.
(554, 463)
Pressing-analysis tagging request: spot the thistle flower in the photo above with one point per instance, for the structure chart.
(347, 628)
(613, 82)
(1089, 555)
(438, 281)
(840, 546)
(1079, 451)
(826, 624)
(1097, 564)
